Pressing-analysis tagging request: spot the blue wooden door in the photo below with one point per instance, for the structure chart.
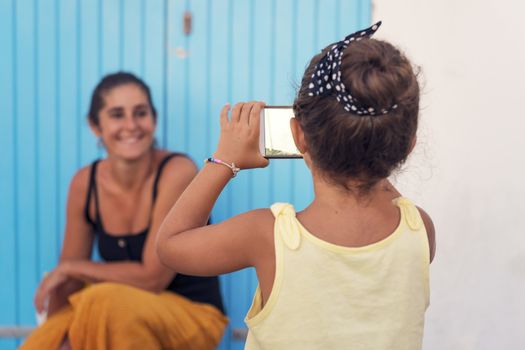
(52, 53)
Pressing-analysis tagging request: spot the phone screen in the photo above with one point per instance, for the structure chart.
(276, 139)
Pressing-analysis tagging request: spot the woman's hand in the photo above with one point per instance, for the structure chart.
(239, 140)
(48, 285)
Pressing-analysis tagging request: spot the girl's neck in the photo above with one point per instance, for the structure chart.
(334, 197)
(129, 175)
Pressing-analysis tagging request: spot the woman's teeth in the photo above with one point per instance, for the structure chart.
(130, 140)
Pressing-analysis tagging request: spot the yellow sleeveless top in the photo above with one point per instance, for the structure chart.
(327, 296)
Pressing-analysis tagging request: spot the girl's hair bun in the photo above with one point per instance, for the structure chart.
(379, 75)
(345, 146)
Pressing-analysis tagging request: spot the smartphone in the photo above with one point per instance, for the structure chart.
(275, 140)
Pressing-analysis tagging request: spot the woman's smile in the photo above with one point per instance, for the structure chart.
(127, 124)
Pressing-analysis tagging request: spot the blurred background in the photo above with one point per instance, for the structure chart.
(467, 170)
(196, 55)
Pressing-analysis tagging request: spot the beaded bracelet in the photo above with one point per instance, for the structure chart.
(232, 166)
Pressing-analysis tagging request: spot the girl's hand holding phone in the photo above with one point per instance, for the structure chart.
(239, 139)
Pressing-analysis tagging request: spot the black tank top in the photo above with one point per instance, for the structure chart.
(129, 247)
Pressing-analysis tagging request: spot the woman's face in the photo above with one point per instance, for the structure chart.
(126, 123)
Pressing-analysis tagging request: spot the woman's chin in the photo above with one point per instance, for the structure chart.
(132, 153)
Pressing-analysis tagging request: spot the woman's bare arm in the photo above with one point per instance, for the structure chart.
(78, 239)
(150, 274)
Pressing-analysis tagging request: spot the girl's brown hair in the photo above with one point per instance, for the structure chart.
(364, 149)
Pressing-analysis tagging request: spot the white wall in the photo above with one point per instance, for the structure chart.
(469, 166)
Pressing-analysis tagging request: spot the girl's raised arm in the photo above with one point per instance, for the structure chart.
(184, 243)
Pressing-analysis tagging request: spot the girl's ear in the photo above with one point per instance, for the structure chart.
(95, 128)
(298, 136)
(300, 143)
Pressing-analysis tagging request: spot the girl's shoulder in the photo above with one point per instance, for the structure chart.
(253, 221)
(255, 234)
(258, 217)
(256, 224)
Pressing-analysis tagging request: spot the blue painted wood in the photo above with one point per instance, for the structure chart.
(55, 51)
(365, 14)
(68, 119)
(46, 84)
(89, 21)
(177, 42)
(154, 60)
(349, 19)
(130, 37)
(110, 11)
(8, 186)
(327, 23)
(197, 88)
(26, 145)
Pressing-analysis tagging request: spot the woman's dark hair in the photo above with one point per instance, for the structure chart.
(110, 82)
(366, 149)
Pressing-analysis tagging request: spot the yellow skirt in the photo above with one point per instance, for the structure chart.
(117, 316)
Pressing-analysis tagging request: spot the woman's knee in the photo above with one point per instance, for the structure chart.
(108, 293)
(105, 289)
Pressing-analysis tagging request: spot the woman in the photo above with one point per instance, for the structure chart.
(131, 299)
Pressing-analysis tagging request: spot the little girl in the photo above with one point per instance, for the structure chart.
(351, 270)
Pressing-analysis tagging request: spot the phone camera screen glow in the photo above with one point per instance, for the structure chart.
(278, 140)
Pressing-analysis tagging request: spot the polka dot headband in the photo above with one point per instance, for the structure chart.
(326, 78)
